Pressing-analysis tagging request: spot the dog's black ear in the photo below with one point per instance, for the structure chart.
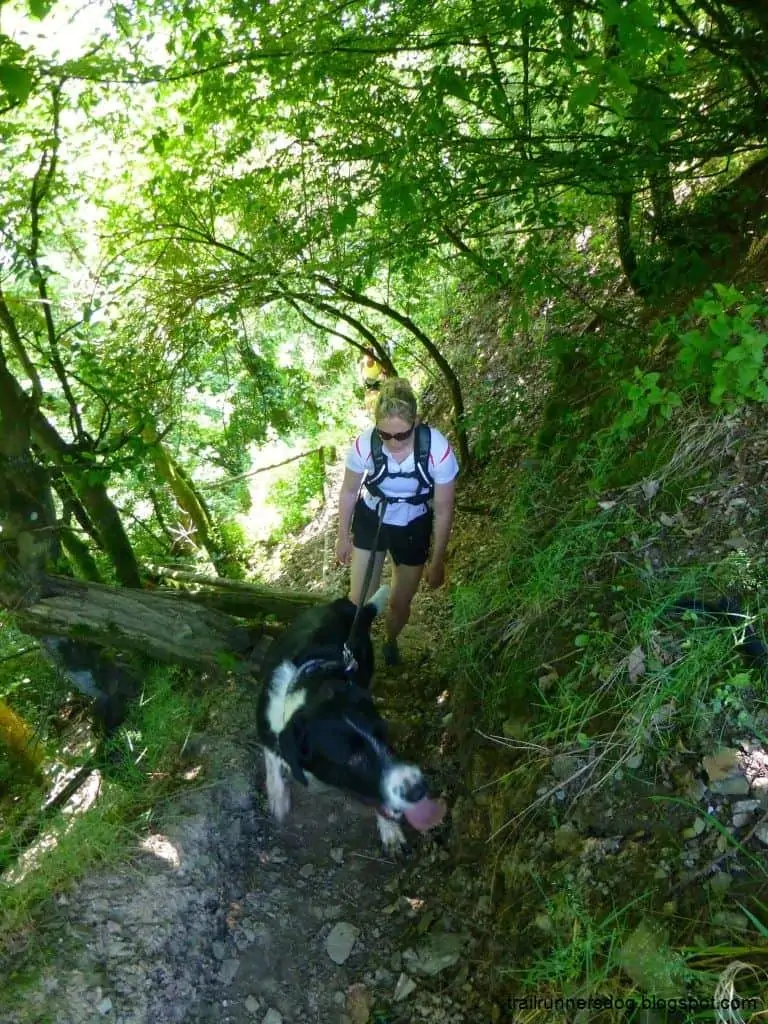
(292, 741)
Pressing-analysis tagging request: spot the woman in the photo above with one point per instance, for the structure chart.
(398, 484)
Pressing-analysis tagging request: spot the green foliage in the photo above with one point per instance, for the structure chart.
(585, 951)
(645, 396)
(143, 762)
(725, 352)
(720, 356)
(28, 679)
(16, 81)
(298, 495)
(490, 429)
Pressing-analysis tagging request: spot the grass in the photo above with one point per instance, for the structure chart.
(570, 646)
(567, 593)
(136, 771)
(585, 953)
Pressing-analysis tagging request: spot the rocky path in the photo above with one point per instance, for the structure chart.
(222, 915)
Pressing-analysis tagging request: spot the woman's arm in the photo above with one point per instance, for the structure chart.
(441, 532)
(350, 488)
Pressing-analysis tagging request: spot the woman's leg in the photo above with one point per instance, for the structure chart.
(365, 530)
(405, 583)
(358, 570)
(409, 546)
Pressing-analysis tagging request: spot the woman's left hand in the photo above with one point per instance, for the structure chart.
(435, 573)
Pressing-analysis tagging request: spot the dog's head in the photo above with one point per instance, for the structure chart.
(342, 740)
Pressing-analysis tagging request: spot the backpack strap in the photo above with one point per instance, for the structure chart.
(425, 484)
(379, 459)
(421, 448)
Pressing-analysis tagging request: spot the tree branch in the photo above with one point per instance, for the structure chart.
(41, 186)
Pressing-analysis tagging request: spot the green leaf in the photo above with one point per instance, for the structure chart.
(159, 140)
(728, 295)
(397, 199)
(619, 77)
(735, 355)
(343, 219)
(747, 374)
(721, 326)
(39, 8)
(450, 82)
(16, 81)
(584, 95)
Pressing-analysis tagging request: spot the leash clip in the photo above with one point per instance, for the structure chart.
(350, 664)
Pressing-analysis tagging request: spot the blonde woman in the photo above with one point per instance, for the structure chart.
(397, 497)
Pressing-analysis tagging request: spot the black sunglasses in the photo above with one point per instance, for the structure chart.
(402, 436)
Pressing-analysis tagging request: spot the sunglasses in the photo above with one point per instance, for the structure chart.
(402, 436)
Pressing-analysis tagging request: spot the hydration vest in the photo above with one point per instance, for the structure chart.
(425, 485)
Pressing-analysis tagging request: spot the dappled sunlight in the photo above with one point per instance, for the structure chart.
(62, 778)
(162, 848)
(263, 518)
(31, 859)
(79, 742)
(83, 798)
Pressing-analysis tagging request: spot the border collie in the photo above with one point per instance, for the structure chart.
(316, 718)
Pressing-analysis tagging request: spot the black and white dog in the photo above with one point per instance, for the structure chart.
(317, 718)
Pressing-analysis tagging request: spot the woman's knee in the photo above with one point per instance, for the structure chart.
(404, 590)
(359, 570)
(400, 604)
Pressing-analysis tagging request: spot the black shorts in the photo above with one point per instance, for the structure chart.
(372, 385)
(408, 545)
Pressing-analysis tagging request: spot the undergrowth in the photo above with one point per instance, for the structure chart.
(574, 647)
(130, 776)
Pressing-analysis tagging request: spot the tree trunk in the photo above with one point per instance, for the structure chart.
(157, 624)
(72, 506)
(185, 496)
(79, 554)
(625, 243)
(247, 600)
(197, 522)
(27, 518)
(106, 519)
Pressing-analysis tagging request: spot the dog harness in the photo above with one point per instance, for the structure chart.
(319, 665)
(425, 485)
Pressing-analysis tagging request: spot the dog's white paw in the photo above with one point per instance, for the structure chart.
(380, 599)
(278, 793)
(392, 836)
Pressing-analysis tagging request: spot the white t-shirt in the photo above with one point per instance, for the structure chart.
(443, 468)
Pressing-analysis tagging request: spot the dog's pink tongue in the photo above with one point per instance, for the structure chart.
(426, 813)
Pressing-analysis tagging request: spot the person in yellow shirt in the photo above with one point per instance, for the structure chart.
(372, 374)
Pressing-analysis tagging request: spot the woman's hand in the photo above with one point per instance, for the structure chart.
(435, 573)
(344, 550)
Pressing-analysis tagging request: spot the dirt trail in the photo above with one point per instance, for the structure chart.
(225, 916)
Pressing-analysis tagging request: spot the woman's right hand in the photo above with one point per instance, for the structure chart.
(344, 550)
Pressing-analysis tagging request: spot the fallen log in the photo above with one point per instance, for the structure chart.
(162, 624)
